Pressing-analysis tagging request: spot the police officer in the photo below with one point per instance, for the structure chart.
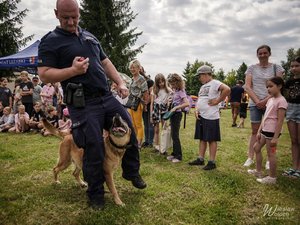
(74, 57)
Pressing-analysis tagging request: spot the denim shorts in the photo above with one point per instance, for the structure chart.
(256, 114)
(293, 112)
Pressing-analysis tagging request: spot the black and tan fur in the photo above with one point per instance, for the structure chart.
(115, 143)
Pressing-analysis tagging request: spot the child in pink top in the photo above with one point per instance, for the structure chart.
(65, 124)
(47, 95)
(270, 130)
(21, 121)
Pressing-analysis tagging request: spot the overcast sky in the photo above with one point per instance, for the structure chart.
(224, 33)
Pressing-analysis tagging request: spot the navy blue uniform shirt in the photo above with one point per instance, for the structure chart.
(58, 49)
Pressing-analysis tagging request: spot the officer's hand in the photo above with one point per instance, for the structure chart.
(123, 90)
(80, 65)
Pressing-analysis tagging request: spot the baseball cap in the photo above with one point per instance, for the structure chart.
(204, 69)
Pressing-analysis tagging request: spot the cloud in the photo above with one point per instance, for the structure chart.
(224, 33)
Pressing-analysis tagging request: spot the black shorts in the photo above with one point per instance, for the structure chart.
(207, 130)
(268, 135)
(243, 114)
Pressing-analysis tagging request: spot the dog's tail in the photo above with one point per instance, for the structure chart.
(48, 126)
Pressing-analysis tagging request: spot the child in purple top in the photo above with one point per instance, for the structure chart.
(179, 102)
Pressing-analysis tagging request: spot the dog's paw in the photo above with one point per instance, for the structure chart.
(83, 184)
(118, 201)
(57, 182)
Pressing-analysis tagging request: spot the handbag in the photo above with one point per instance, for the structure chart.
(168, 115)
(133, 102)
(166, 141)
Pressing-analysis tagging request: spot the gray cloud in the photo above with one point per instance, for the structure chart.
(224, 33)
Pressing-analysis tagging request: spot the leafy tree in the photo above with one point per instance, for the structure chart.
(230, 79)
(291, 54)
(220, 75)
(109, 21)
(192, 83)
(240, 73)
(11, 36)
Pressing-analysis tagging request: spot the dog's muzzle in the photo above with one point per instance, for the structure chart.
(119, 127)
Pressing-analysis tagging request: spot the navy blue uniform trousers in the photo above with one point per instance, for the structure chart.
(87, 129)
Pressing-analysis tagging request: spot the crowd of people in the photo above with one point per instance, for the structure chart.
(146, 105)
(30, 101)
(24, 107)
(264, 93)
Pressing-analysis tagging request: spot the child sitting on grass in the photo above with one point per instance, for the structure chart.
(52, 118)
(65, 124)
(35, 122)
(21, 121)
(7, 121)
(270, 130)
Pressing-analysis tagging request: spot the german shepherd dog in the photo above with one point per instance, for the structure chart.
(115, 144)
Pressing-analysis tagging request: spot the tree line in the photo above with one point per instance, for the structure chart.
(231, 78)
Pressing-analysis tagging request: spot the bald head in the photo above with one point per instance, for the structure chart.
(60, 4)
(67, 12)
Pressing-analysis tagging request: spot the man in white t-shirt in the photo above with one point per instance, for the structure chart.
(211, 93)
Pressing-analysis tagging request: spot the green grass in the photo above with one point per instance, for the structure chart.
(176, 193)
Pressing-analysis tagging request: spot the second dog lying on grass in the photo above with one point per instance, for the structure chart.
(115, 146)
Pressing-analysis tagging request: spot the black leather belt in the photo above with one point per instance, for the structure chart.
(92, 95)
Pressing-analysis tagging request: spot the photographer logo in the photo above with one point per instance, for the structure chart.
(278, 212)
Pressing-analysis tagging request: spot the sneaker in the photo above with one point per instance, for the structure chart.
(288, 172)
(170, 157)
(176, 160)
(255, 173)
(234, 125)
(145, 145)
(267, 180)
(296, 174)
(267, 166)
(156, 148)
(210, 166)
(248, 162)
(136, 181)
(197, 162)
